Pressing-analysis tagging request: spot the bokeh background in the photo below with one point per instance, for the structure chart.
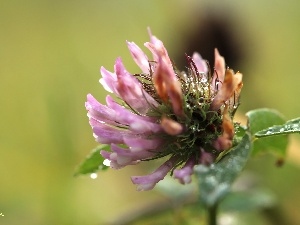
(50, 55)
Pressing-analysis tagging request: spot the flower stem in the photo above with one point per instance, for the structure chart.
(212, 214)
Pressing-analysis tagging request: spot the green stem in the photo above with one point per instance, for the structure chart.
(212, 214)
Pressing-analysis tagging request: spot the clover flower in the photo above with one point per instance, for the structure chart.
(183, 117)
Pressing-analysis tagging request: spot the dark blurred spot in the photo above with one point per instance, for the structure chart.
(215, 32)
(279, 162)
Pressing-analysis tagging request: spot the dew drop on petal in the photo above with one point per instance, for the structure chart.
(93, 176)
(106, 162)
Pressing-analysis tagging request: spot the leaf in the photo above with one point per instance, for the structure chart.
(261, 119)
(93, 162)
(257, 198)
(290, 127)
(240, 131)
(215, 180)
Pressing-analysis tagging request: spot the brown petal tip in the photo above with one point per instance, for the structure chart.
(170, 126)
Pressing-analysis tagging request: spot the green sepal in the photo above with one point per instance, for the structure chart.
(261, 119)
(93, 162)
(215, 180)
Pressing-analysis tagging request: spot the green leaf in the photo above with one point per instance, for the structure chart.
(240, 131)
(93, 162)
(290, 127)
(215, 181)
(248, 200)
(261, 119)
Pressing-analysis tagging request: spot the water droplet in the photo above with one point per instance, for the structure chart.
(201, 169)
(203, 80)
(270, 131)
(211, 180)
(106, 162)
(281, 130)
(93, 176)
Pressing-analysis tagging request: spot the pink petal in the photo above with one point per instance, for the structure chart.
(106, 134)
(139, 57)
(141, 144)
(219, 72)
(108, 80)
(121, 157)
(116, 163)
(125, 156)
(206, 158)
(168, 87)
(184, 174)
(131, 90)
(148, 182)
(139, 124)
(164, 78)
(200, 63)
(99, 112)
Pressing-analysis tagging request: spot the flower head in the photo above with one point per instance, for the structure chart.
(185, 117)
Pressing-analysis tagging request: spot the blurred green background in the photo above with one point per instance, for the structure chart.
(50, 55)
